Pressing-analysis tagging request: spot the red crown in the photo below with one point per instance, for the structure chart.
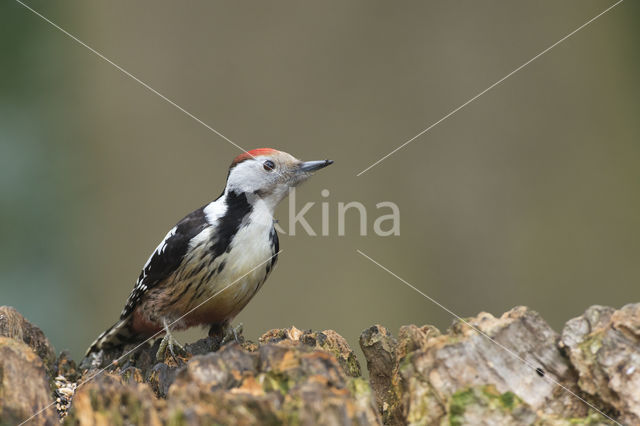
(253, 153)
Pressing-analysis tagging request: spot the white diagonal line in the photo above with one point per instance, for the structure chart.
(142, 83)
(491, 339)
(117, 360)
(490, 87)
(133, 77)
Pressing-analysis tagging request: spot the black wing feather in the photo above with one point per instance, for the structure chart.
(167, 257)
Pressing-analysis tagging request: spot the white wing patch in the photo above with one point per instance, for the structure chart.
(159, 250)
(161, 247)
(215, 210)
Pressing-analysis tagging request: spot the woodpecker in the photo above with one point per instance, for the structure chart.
(226, 248)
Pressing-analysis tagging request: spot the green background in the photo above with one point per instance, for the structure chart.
(528, 196)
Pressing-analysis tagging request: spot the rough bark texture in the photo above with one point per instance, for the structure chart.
(604, 346)
(511, 370)
(24, 385)
(15, 326)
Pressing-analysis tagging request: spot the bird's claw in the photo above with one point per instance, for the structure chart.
(168, 341)
(232, 333)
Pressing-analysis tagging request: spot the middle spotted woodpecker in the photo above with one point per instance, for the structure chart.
(216, 245)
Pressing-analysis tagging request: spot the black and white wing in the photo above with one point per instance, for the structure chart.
(166, 258)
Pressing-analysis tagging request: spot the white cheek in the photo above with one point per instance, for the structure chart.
(247, 176)
(250, 176)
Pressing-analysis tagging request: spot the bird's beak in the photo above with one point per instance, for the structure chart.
(312, 166)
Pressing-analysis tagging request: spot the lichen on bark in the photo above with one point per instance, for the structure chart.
(290, 376)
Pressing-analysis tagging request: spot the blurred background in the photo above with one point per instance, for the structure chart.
(528, 196)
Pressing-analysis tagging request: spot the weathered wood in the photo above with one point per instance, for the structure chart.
(517, 371)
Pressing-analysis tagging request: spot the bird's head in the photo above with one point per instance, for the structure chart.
(268, 174)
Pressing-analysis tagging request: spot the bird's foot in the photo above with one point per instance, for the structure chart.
(231, 333)
(169, 342)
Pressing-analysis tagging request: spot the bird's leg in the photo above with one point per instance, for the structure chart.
(224, 333)
(217, 330)
(168, 341)
(231, 333)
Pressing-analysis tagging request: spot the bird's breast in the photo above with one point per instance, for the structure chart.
(216, 288)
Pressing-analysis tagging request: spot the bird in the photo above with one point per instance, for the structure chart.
(213, 261)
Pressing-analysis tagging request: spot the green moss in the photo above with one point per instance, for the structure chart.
(591, 345)
(359, 387)
(177, 418)
(290, 412)
(508, 399)
(353, 366)
(276, 381)
(350, 364)
(459, 401)
(593, 419)
(406, 362)
(487, 396)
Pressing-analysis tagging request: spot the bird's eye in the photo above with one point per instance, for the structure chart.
(269, 165)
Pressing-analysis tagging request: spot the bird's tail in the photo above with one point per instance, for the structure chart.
(119, 334)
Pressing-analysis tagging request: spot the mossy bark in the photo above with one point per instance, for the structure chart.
(295, 377)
